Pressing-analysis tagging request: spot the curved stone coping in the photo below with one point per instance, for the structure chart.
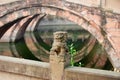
(79, 73)
(24, 67)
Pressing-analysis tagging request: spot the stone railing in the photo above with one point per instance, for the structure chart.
(57, 69)
(21, 69)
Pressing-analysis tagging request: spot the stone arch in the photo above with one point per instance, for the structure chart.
(87, 24)
(44, 6)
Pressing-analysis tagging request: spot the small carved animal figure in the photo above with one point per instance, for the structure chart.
(59, 46)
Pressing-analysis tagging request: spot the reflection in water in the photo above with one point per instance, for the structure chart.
(32, 48)
(5, 49)
(36, 45)
(23, 50)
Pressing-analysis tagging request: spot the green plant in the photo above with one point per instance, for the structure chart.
(80, 64)
(72, 53)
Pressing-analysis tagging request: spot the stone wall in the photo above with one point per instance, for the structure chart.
(107, 5)
(94, 3)
(112, 5)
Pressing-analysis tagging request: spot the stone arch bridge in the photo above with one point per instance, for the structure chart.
(103, 24)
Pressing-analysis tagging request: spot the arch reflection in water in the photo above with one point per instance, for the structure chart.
(95, 59)
(89, 52)
(38, 50)
(36, 45)
(23, 50)
(27, 48)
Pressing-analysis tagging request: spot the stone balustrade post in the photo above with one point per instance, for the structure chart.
(59, 56)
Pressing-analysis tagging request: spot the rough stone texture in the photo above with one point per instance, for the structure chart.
(13, 76)
(23, 67)
(76, 73)
(58, 56)
(59, 46)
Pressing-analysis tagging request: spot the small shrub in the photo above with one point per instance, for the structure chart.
(72, 53)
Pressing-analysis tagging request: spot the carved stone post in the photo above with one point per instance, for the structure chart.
(59, 56)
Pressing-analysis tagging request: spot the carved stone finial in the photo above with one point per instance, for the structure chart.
(59, 57)
(59, 46)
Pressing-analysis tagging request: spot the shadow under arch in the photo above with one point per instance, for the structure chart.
(21, 31)
(24, 51)
(4, 28)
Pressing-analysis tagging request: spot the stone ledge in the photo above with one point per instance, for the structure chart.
(15, 66)
(12, 76)
(77, 73)
(24, 67)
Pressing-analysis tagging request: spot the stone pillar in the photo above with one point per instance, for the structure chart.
(59, 56)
